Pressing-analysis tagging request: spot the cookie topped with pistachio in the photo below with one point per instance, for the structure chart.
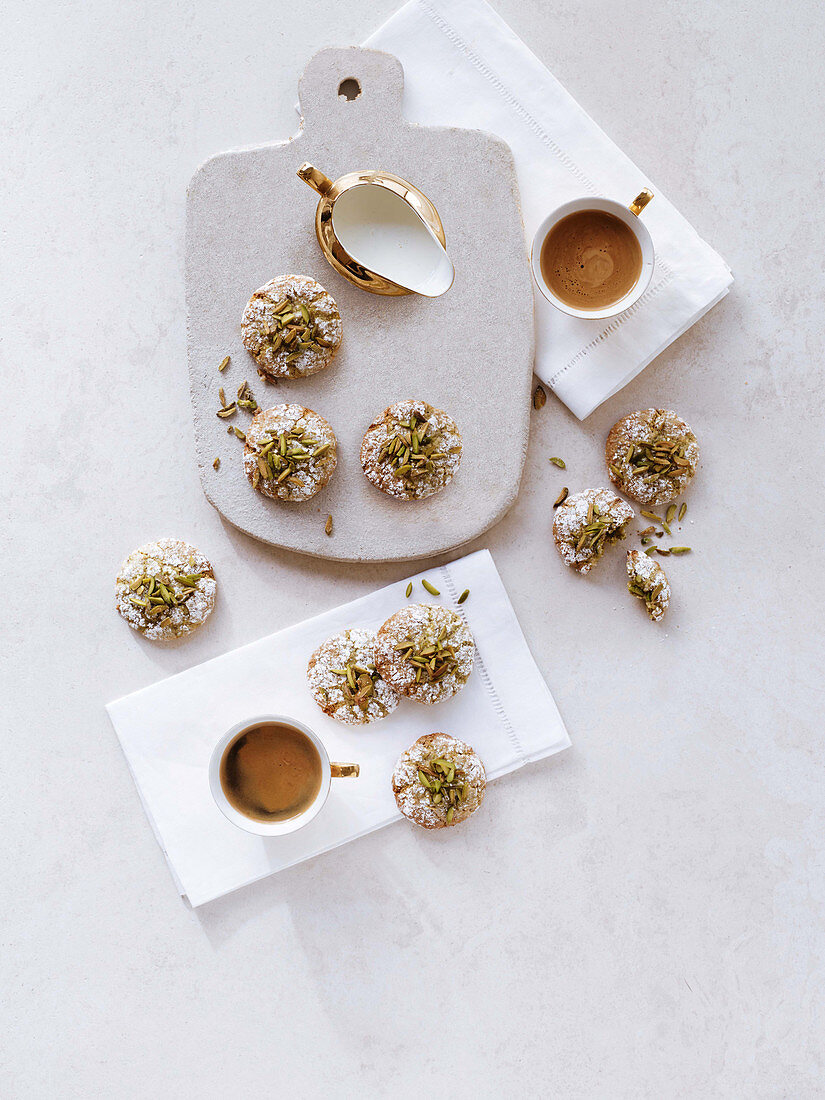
(425, 653)
(291, 327)
(290, 452)
(165, 589)
(344, 681)
(439, 781)
(651, 455)
(648, 582)
(411, 450)
(586, 523)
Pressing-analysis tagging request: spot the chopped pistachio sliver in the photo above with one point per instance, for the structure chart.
(539, 397)
(216, 463)
(464, 595)
(652, 515)
(410, 451)
(408, 591)
(430, 588)
(444, 784)
(224, 363)
(562, 465)
(328, 526)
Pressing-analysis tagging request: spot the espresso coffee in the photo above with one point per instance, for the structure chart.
(591, 259)
(271, 772)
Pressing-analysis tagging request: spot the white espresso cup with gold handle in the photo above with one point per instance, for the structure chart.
(629, 216)
(240, 810)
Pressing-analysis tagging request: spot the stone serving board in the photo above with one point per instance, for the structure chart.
(249, 218)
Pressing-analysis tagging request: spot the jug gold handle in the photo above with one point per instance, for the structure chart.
(315, 179)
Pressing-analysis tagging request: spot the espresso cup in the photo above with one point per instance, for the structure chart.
(329, 771)
(630, 215)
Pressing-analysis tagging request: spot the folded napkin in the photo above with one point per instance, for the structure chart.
(463, 66)
(168, 731)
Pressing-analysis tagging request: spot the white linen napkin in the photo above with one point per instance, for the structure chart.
(463, 66)
(167, 731)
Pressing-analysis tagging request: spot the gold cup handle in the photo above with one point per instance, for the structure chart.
(344, 771)
(315, 179)
(638, 204)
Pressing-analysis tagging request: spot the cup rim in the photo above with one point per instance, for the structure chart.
(610, 206)
(267, 828)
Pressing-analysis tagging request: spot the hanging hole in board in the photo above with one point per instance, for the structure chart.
(349, 89)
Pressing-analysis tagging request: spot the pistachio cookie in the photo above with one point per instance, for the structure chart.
(165, 589)
(651, 455)
(647, 581)
(344, 682)
(291, 327)
(411, 451)
(290, 452)
(586, 523)
(425, 653)
(438, 781)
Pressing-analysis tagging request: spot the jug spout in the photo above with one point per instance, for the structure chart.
(314, 179)
(441, 277)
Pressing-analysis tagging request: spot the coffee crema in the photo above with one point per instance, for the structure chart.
(271, 772)
(590, 259)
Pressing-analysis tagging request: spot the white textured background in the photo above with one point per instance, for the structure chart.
(640, 917)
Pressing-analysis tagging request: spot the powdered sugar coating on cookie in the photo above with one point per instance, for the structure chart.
(291, 327)
(415, 800)
(290, 452)
(344, 682)
(587, 522)
(648, 582)
(651, 455)
(425, 652)
(411, 451)
(165, 589)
